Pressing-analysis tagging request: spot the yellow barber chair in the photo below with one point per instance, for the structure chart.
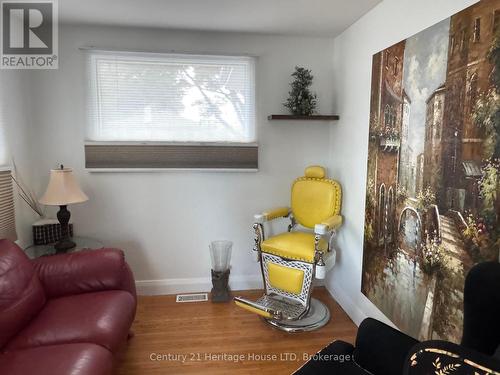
(290, 261)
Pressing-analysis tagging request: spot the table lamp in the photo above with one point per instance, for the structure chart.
(63, 190)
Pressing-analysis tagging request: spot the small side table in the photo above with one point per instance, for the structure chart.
(36, 251)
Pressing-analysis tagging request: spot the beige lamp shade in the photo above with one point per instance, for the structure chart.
(63, 189)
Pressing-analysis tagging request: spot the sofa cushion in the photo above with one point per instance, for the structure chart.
(74, 359)
(102, 318)
(21, 293)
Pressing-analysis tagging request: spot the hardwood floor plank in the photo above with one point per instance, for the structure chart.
(210, 338)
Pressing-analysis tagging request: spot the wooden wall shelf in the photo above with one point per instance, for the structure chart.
(306, 118)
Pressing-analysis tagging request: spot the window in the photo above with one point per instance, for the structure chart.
(387, 115)
(381, 213)
(390, 214)
(463, 40)
(7, 213)
(473, 91)
(496, 21)
(184, 100)
(395, 67)
(477, 30)
(3, 140)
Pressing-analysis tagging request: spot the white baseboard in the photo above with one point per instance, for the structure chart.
(347, 304)
(193, 285)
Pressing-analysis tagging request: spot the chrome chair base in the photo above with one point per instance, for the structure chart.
(317, 317)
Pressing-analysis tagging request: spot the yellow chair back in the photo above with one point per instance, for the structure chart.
(315, 198)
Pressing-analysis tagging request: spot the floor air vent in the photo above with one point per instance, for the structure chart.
(199, 297)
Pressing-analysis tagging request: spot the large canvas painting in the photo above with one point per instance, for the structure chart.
(433, 201)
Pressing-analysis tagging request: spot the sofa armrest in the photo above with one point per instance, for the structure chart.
(85, 271)
(381, 349)
(328, 225)
(272, 214)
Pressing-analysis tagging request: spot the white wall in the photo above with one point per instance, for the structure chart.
(15, 140)
(388, 23)
(165, 220)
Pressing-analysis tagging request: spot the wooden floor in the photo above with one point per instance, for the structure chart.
(205, 338)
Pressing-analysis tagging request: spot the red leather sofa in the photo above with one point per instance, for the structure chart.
(63, 314)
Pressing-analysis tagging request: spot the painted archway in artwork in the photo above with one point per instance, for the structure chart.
(410, 231)
(381, 213)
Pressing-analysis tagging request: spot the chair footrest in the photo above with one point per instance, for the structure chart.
(273, 307)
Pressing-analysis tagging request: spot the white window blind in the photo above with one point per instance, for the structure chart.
(7, 212)
(170, 97)
(3, 143)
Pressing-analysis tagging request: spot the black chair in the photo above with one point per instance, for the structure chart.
(383, 350)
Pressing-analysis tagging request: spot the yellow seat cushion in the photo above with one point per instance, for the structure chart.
(292, 245)
(289, 279)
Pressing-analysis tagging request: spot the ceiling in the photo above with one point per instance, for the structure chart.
(283, 17)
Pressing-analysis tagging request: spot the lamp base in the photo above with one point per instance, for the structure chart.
(64, 245)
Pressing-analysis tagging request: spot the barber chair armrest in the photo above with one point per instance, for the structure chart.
(272, 214)
(328, 225)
